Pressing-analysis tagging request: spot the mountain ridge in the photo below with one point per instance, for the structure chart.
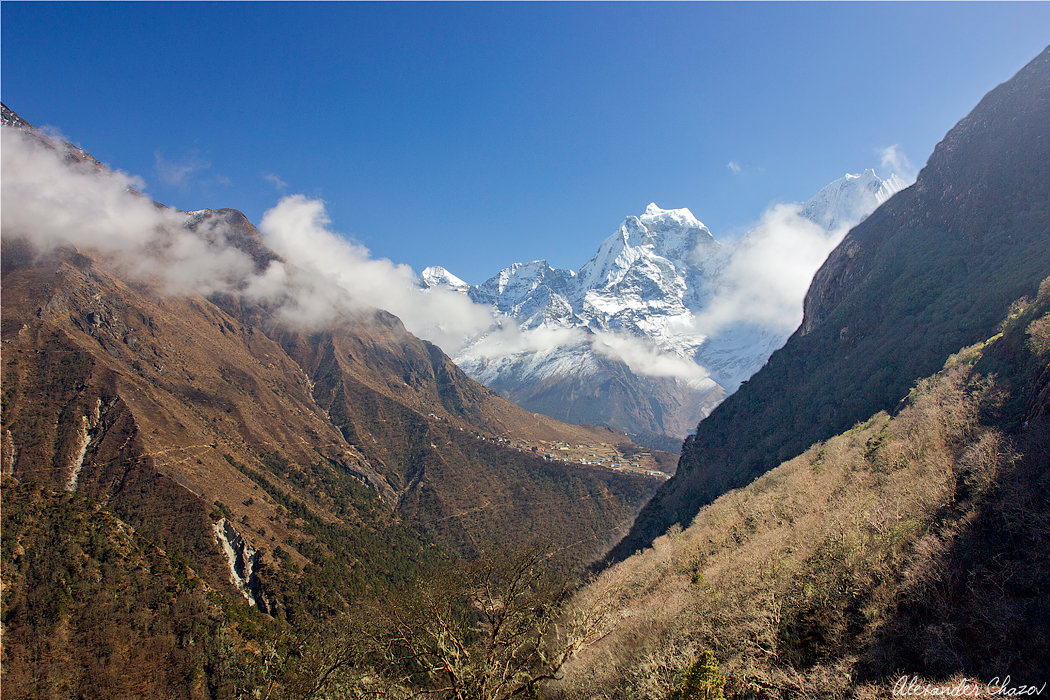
(210, 425)
(931, 270)
(641, 302)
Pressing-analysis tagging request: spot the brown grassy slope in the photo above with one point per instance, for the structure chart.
(164, 388)
(418, 418)
(913, 544)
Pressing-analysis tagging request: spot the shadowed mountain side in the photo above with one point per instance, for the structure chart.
(909, 545)
(932, 270)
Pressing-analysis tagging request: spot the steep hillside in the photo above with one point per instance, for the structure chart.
(166, 410)
(276, 459)
(932, 270)
(94, 609)
(910, 545)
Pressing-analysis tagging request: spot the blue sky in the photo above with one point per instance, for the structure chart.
(475, 135)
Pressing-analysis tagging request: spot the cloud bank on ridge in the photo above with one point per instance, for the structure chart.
(322, 277)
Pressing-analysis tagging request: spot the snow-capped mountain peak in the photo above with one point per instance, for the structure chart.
(436, 276)
(655, 217)
(651, 287)
(669, 230)
(845, 202)
(658, 239)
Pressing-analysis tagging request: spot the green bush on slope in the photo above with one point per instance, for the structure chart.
(702, 680)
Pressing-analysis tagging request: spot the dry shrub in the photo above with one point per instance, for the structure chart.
(1039, 337)
(788, 579)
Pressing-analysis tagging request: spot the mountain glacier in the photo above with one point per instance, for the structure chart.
(663, 321)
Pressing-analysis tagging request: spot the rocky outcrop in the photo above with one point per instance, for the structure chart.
(243, 560)
(88, 425)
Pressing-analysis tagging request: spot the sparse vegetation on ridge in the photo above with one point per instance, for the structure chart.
(912, 543)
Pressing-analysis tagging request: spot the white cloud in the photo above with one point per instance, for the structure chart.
(507, 342)
(276, 181)
(768, 273)
(298, 230)
(54, 204)
(177, 172)
(505, 339)
(895, 161)
(734, 167)
(644, 358)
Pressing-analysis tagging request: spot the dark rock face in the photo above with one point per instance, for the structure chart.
(985, 170)
(932, 270)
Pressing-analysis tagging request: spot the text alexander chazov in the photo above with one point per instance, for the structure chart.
(913, 686)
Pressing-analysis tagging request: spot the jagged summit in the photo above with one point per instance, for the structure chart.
(648, 280)
(846, 201)
(437, 276)
(659, 245)
(654, 216)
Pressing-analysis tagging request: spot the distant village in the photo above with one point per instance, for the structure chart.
(590, 454)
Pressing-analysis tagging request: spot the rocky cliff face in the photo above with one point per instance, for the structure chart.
(932, 270)
(244, 562)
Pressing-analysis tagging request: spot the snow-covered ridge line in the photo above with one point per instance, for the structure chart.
(674, 301)
(656, 276)
(848, 200)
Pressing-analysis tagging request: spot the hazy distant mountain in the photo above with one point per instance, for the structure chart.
(651, 281)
